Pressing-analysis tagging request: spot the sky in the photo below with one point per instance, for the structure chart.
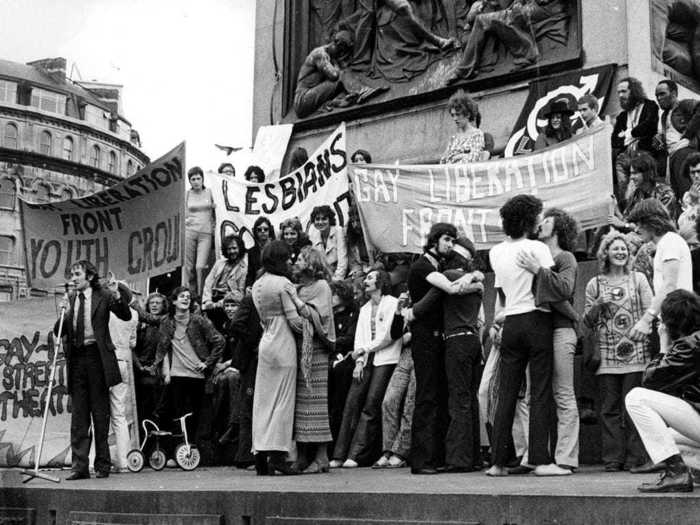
(186, 66)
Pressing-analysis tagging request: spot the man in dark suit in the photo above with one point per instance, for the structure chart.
(635, 127)
(92, 364)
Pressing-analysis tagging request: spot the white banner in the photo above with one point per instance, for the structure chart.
(322, 180)
(270, 146)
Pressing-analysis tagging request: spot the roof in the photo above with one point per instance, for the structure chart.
(16, 71)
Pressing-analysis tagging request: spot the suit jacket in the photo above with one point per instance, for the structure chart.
(645, 129)
(102, 303)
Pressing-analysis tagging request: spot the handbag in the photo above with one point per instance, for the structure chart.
(589, 336)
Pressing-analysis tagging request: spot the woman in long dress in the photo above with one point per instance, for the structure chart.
(276, 377)
(312, 430)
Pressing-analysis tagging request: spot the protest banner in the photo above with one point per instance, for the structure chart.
(134, 229)
(398, 204)
(27, 345)
(569, 86)
(269, 148)
(321, 180)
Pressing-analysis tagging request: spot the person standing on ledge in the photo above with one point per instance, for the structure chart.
(91, 363)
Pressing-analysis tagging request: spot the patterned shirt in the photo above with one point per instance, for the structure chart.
(630, 295)
(465, 148)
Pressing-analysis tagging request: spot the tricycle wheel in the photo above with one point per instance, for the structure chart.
(157, 459)
(187, 461)
(135, 460)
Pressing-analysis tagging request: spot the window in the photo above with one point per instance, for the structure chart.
(8, 91)
(68, 148)
(8, 194)
(112, 168)
(7, 249)
(48, 101)
(11, 136)
(129, 168)
(45, 143)
(95, 156)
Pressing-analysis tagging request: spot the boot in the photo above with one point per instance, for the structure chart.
(278, 463)
(676, 478)
(261, 465)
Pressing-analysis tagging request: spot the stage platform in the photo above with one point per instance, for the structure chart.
(227, 496)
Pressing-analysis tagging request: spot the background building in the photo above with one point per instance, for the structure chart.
(59, 139)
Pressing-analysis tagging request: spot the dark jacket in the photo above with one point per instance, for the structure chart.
(345, 325)
(685, 117)
(102, 303)
(206, 342)
(645, 129)
(246, 329)
(677, 372)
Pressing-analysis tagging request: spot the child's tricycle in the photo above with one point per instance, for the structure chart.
(186, 455)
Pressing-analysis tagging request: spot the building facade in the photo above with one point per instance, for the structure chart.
(59, 139)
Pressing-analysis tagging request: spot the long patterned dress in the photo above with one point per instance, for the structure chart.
(276, 377)
(311, 421)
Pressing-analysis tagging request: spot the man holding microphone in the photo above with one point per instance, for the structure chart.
(91, 363)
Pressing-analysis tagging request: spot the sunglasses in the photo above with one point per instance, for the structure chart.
(262, 229)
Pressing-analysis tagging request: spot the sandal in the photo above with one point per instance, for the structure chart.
(396, 462)
(315, 468)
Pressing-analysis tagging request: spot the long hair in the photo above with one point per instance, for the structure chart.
(275, 257)
(383, 281)
(345, 293)
(637, 94)
(564, 131)
(295, 224)
(229, 240)
(317, 268)
(519, 215)
(354, 234)
(644, 163)
(602, 255)
(651, 214)
(173, 297)
(565, 228)
(258, 222)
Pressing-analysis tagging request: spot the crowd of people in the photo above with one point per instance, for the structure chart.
(302, 353)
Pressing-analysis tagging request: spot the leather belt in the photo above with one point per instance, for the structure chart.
(457, 334)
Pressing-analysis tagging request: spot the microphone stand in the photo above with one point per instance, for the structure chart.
(31, 474)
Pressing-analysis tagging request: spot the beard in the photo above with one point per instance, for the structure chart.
(626, 103)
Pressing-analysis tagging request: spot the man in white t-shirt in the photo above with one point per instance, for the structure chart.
(526, 339)
(673, 267)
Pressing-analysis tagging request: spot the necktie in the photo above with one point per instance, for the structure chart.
(80, 324)
(664, 124)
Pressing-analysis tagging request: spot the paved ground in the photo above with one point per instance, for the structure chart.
(588, 481)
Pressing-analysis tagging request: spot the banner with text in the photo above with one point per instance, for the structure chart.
(134, 229)
(398, 204)
(27, 346)
(321, 180)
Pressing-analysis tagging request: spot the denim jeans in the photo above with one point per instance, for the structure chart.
(397, 407)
